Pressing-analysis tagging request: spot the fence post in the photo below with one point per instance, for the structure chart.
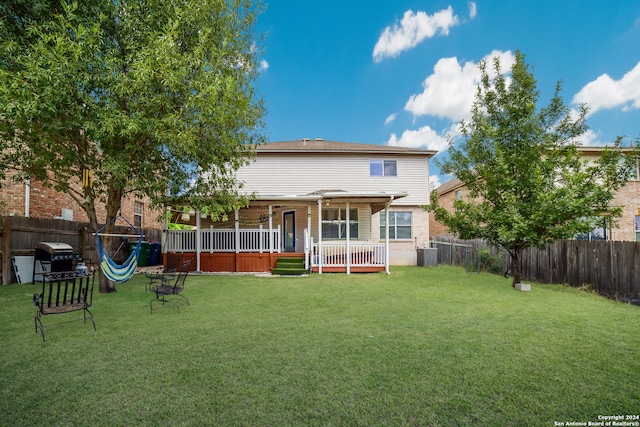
(6, 250)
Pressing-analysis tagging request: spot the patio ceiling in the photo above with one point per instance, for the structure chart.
(377, 199)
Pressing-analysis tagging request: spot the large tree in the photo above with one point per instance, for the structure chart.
(527, 182)
(144, 94)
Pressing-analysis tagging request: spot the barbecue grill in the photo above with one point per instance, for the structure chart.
(53, 257)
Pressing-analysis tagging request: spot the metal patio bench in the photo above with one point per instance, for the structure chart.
(64, 292)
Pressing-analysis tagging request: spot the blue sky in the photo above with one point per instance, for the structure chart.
(403, 72)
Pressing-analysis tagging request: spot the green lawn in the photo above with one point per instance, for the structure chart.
(423, 346)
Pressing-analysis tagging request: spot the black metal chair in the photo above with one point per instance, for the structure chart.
(172, 286)
(156, 278)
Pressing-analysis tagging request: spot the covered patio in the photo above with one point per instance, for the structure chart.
(331, 230)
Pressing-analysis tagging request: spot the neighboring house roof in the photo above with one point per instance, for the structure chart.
(455, 183)
(452, 184)
(319, 145)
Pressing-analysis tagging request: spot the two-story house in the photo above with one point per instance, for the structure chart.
(342, 206)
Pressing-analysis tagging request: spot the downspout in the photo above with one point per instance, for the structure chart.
(27, 198)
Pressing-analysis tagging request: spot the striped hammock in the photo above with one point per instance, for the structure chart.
(113, 271)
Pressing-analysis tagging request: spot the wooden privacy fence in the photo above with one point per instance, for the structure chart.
(474, 255)
(19, 236)
(453, 251)
(611, 268)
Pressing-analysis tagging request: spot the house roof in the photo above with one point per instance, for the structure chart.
(455, 183)
(319, 145)
(452, 184)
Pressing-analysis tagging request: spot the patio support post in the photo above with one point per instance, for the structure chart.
(348, 260)
(320, 236)
(386, 235)
(271, 229)
(198, 240)
(308, 246)
(165, 234)
(236, 214)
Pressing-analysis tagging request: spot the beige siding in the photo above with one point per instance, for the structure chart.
(299, 174)
(364, 222)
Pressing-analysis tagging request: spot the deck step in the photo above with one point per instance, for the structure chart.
(289, 271)
(289, 267)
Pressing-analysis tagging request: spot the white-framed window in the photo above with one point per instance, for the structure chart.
(399, 225)
(138, 210)
(383, 168)
(599, 232)
(637, 228)
(458, 194)
(334, 223)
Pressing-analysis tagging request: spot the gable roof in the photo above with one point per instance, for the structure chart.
(452, 184)
(319, 145)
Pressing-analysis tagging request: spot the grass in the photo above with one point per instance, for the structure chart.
(424, 346)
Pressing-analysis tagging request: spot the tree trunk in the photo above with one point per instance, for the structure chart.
(106, 285)
(114, 203)
(515, 266)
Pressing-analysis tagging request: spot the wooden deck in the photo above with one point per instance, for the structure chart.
(247, 262)
(242, 262)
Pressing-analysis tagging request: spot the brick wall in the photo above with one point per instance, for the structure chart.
(47, 203)
(12, 196)
(627, 197)
(446, 201)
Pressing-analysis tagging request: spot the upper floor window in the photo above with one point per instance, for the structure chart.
(138, 209)
(383, 168)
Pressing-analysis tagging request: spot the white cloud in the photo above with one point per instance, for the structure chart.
(606, 93)
(425, 137)
(390, 119)
(263, 66)
(412, 29)
(473, 10)
(434, 182)
(450, 91)
(590, 138)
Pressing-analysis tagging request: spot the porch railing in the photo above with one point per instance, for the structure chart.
(223, 240)
(361, 254)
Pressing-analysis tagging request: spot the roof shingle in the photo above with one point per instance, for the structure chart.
(320, 145)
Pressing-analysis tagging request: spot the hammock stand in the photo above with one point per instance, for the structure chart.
(113, 271)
